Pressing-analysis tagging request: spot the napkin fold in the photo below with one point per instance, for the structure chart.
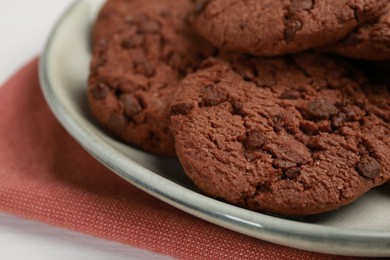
(46, 176)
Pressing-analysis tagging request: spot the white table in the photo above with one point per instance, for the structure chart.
(24, 27)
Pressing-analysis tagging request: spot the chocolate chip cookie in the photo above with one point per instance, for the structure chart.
(269, 28)
(370, 41)
(142, 50)
(297, 135)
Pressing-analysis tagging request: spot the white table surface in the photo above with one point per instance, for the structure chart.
(24, 27)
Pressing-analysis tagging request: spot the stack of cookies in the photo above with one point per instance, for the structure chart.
(265, 103)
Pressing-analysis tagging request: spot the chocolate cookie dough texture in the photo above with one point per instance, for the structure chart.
(294, 136)
(142, 50)
(370, 41)
(270, 28)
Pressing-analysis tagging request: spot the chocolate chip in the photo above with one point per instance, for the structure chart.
(346, 131)
(117, 124)
(149, 27)
(278, 127)
(308, 127)
(287, 148)
(338, 120)
(291, 94)
(133, 41)
(316, 144)
(181, 109)
(100, 91)
(299, 5)
(131, 104)
(283, 164)
(292, 172)
(292, 27)
(238, 108)
(200, 5)
(212, 95)
(290, 169)
(350, 114)
(255, 140)
(368, 167)
(279, 122)
(321, 109)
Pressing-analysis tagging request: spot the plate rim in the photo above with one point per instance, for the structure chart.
(340, 241)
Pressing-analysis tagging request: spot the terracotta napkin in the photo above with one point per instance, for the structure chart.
(46, 176)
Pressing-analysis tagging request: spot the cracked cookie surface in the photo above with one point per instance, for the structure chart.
(298, 135)
(270, 28)
(370, 41)
(142, 50)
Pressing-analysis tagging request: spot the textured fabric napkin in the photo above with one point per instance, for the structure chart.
(46, 176)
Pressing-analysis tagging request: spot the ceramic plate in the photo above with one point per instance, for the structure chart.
(362, 228)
